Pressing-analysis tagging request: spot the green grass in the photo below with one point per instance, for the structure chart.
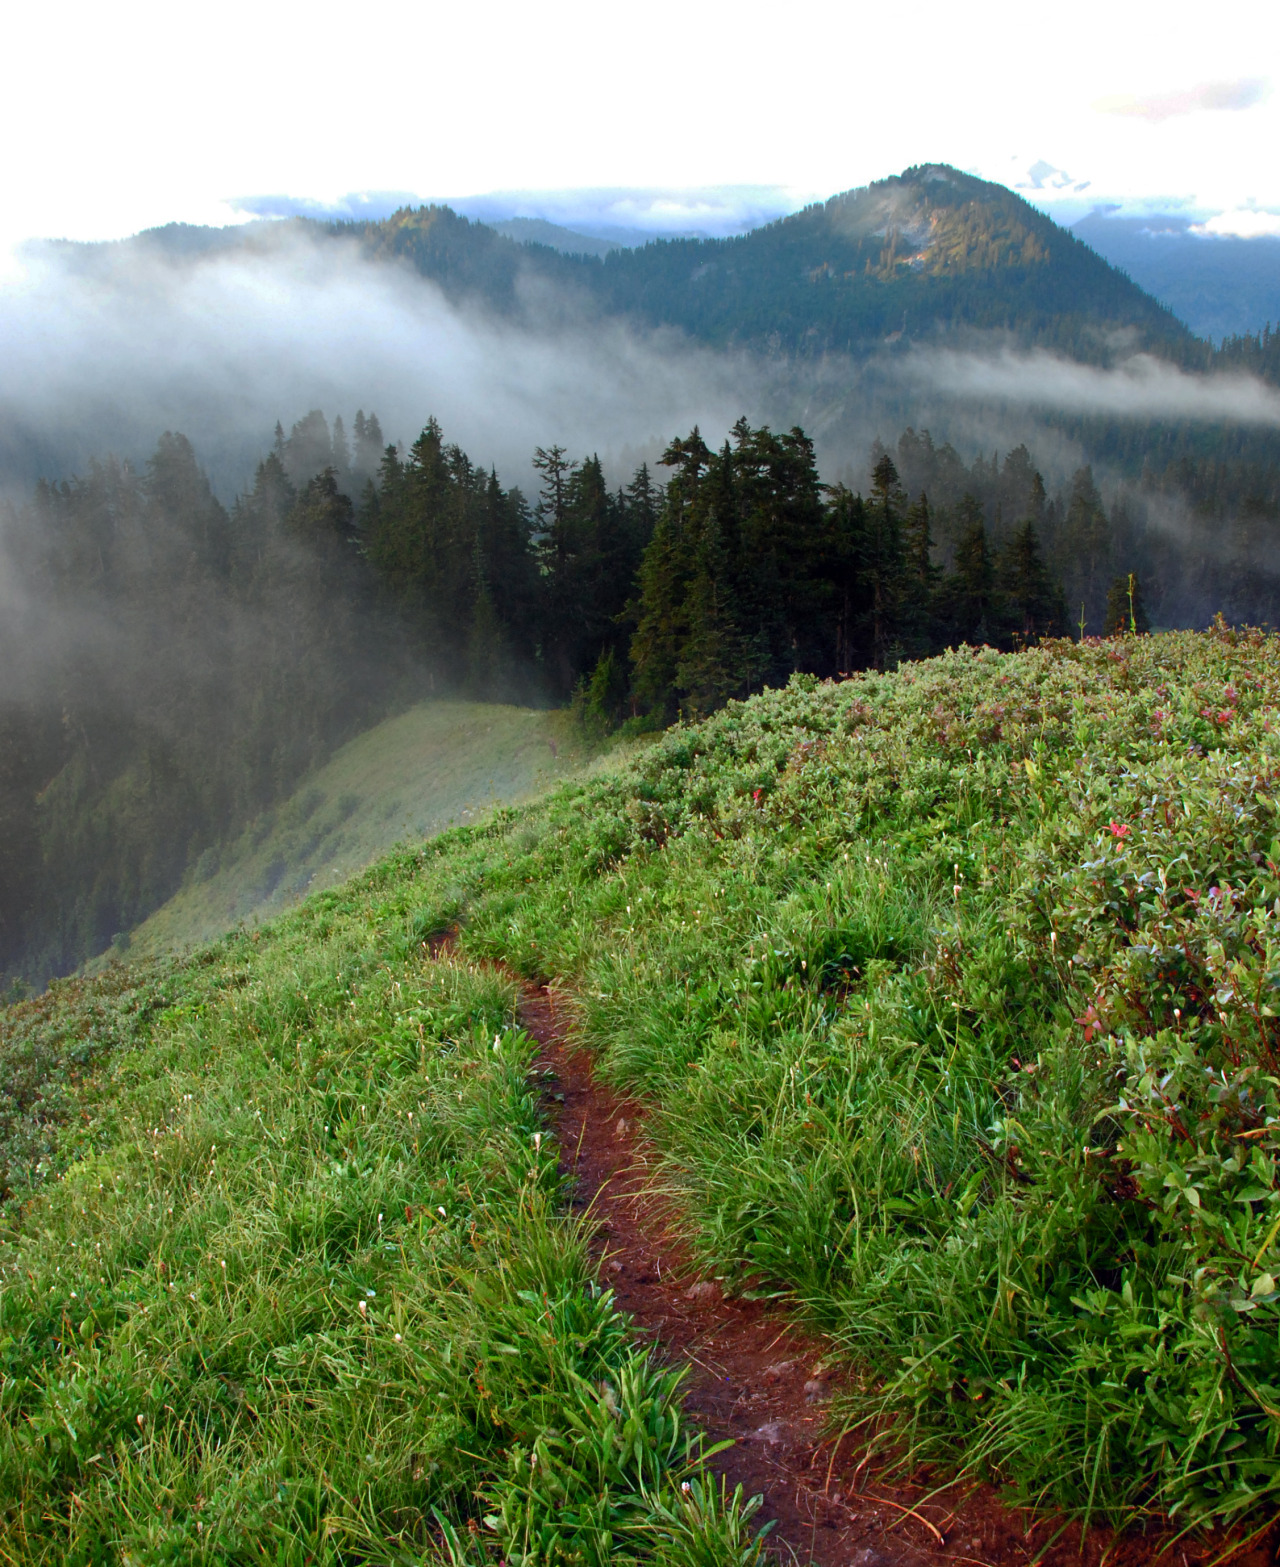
(291, 1281)
(954, 993)
(438, 764)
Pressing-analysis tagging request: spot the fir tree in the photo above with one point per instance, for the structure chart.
(921, 580)
(1033, 601)
(882, 563)
(971, 590)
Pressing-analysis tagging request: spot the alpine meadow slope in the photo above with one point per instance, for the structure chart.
(418, 773)
(951, 991)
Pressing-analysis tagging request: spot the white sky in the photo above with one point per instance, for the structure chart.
(115, 117)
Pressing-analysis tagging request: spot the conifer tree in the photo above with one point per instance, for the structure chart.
(341, 450)
(1084, 554)
(921, 579)
(1033, 601)
(971, 590)
(367, 450)
(882, 563)
(665, 571)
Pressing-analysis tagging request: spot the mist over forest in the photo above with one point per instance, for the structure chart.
(234, 535)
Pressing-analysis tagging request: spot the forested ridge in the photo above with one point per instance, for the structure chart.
(176, 666)
(930, 253)
(926, 252)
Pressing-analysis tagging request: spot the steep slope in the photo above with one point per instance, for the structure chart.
(947, 996)
(925, 252)
(411, 776)
(932, 250)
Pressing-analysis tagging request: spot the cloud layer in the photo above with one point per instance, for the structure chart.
(104, 349)
(1242, 93)
(1140, 387)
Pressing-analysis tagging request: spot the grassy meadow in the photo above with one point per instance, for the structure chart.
(438, 764)
(286, 1277)
(954, 992)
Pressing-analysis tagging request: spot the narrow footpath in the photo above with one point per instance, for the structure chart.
(758, 1380)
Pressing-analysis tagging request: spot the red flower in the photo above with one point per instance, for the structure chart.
(1119, 830)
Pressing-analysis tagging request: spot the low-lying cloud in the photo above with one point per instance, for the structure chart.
(104, 349)
(1140, 387)
(1240, 223)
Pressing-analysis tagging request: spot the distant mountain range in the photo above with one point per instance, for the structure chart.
(1218, 284)
(926, 254)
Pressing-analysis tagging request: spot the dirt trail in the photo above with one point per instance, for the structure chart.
(756, 1378)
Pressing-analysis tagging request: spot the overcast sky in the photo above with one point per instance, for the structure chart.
(116, 117)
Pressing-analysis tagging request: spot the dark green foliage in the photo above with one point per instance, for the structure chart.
(599, 704)
(929, 249)
(970, 597)
(1258, 354)
(453, 550)
(757, 570)
(1034, 604)
(588, 548)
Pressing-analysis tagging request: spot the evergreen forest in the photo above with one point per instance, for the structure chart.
(180, 665)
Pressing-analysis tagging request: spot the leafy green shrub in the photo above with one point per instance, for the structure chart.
(954, 991)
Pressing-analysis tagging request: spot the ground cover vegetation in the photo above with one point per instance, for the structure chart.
(174, 668)
(428, 768)
(285, 1275)
(953, 992)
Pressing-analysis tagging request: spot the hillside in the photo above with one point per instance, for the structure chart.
(947, 991)
(926, 252)
(409, 777)
(1220, 285)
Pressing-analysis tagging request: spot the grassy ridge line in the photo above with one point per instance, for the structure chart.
(955, 991)
(413, 775)
(292, 1281)
(952, 990)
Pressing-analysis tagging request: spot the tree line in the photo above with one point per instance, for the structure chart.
(174, 666)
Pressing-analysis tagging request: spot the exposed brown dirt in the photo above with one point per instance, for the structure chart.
(759, 1380)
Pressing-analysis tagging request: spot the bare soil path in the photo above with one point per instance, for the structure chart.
(758, 1379)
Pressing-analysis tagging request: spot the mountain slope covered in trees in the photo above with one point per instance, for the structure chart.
(177, 666)
(931, 251)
